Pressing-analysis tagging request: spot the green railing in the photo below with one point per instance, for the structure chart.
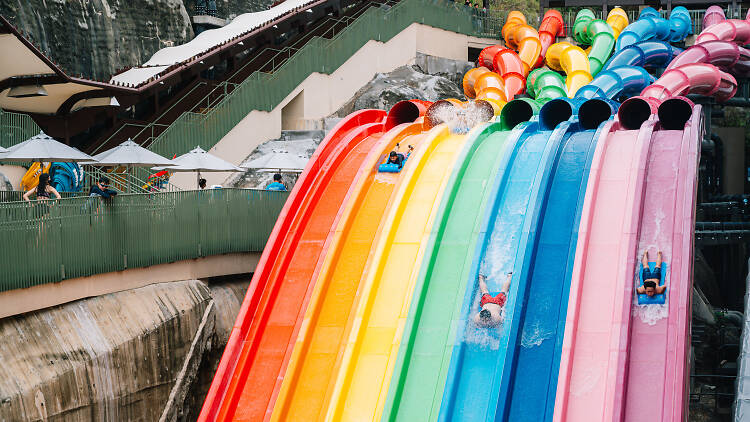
(16, 128)
(49, 241)
(264, 91)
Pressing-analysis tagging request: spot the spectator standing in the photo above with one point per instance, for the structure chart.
(276, 185)
(43, 190)
(102, 188)
(202, 184)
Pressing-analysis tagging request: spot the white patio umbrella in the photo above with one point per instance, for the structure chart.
(129, 154)
(281, 161)
(41, 148)
(200, 161)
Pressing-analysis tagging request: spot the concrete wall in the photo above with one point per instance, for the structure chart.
(324, 94)
(19, 301)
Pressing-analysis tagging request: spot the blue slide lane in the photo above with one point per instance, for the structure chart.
(477, 369)
(537, 350)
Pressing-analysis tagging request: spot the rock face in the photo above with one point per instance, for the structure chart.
(115, 357)
(97, 37)
(404, 83)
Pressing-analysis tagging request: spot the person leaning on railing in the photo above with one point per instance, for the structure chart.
(102, 189)
(43, 190)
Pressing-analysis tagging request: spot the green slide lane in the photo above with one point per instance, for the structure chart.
(423, 359)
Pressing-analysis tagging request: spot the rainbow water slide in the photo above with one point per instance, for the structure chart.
(552, 26)
(650, 25)
(617, 19)
(309, 379)
(596, 33)
(422, 365)
(621, 360)
(571, 59)
(372, 346)
(523, 38)
(586, 388)
(271, 315)
(533, 356)
(654, 375)
(506, 243)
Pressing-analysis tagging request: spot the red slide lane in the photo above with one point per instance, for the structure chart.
(273, 308)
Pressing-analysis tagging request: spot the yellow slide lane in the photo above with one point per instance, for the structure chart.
(366, 369)
(310, 377)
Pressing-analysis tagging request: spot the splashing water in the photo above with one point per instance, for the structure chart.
(460, 119)
(651, 314)
(534, 335)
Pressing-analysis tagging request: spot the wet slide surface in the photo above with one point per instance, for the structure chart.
(656, 358)
(271, 314)
(595, 329)
(311, 372)
(372, 347)
(537, 358)
(419, 375)
(478, 361)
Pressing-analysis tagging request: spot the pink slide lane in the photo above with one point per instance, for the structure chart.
(655, 377)
(596, 330)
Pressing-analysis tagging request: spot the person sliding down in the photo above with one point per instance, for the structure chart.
(491, 314)
(398, 158)
(650, 277)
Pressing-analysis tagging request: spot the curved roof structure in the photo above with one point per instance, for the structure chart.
(33, 83)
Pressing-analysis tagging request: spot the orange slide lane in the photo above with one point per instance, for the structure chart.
(271, 315)
(520, 36)
(309, 380)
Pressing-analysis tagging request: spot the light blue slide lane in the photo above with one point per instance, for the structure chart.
(477, 367)
(537, 349)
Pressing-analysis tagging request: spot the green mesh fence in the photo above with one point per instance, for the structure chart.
(16, 128)
(49, 241)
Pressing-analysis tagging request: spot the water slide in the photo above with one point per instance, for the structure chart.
(593, 329)
(622, 360)
(271, 314)
(654, 378)
(308, 382)
(506, 244)
(596, 33)
(534, 365)
(372, 346)
(422, 364)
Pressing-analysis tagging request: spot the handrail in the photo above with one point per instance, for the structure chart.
(263, 91)
(82, 236)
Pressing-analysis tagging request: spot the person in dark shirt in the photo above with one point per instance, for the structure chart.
(102, 188)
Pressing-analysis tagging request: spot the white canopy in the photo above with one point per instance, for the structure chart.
(129, 153)
(205, 41)
(201, 161)
(278, 160)
(43, 148)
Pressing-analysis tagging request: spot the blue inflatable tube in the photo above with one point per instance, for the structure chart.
(389, 168)
(66, 177)
(658, 299)
(645, 53)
